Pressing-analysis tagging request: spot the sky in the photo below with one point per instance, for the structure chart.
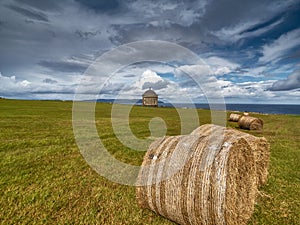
(250, 49)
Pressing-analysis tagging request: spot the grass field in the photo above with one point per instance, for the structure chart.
(45, 180)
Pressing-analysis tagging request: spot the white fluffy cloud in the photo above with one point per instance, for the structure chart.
(147, 79)
(274, 51)
(221, 66)
(13, 87)
(212, 86)
(193, 71)
(199, 80)
(167, 89)
(9, 85)
(182, 89)
(248, 90)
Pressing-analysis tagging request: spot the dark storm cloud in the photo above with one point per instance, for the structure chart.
(262, 25)
(130, 75)
(155, 85)
(192, 38)
(53, 92)
(292, 82)
(100, 6)
(65, 67)
(1, 25)
(42, 5)
(48, 35)
(224, 13)
(29, 13)
(49, 81)
(86, 34)
(225, 25)
(188, 83)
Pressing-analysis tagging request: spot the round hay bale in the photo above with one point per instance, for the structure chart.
(251, 123)
(259, 146)
(212, 184)
(234, 117)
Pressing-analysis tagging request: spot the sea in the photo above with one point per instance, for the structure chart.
(292, 109)
(257, 108)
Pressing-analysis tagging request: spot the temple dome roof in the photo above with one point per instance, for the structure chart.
(150, 93)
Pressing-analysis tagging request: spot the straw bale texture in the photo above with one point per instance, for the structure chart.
(234, 117)
(251, 123)
(193, 179)
(259, 146)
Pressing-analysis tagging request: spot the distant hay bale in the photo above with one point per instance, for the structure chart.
(259, 146)
(234, 117)
(214, 182)
(246, 114)
(251, 123)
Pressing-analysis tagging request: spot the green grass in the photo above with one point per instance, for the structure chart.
(45, 180)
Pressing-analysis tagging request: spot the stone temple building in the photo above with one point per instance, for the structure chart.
(150, 98)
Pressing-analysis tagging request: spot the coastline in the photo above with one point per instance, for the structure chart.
(262, 109)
